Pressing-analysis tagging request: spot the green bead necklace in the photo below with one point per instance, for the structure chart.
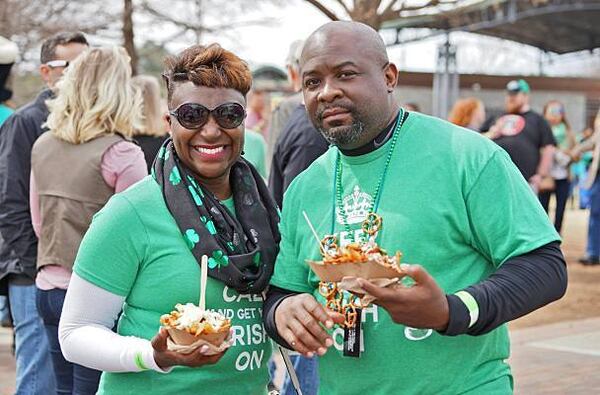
(338, 189)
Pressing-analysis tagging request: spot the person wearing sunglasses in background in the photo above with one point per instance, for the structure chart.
(142, 251)
(18, 243)
(554, 112)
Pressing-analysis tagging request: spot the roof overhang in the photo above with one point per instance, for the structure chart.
(559, 26)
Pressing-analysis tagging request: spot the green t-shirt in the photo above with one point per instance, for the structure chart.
(453, 202)
(135, 249)
(255, 149)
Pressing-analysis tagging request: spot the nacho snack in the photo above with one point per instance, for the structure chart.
(189, 323)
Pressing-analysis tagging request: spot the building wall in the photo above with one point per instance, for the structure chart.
(575, 102)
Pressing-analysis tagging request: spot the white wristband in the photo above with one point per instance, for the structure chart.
(471, 305)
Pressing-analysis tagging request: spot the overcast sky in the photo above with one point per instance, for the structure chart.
(268, 44)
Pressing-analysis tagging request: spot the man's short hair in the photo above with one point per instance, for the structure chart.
(48, 51)
(293, 57)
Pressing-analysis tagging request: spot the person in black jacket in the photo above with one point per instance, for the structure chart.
(18, 243)
(297, 147)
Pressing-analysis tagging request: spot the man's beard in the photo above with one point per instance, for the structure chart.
(343, 134)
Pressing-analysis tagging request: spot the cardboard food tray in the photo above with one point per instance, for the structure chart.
(184, 338)
(367, 270)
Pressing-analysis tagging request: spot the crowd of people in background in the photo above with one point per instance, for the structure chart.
(99, 142)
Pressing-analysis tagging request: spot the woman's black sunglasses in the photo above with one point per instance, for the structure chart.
(194, 115)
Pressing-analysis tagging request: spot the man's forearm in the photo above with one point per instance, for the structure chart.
(520, 286)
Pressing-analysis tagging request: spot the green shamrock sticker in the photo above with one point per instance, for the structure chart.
(256, 259)
(191, 238)
(209, 225)
(230, 246)
(175, 177)
(218, 259)
(195, 195)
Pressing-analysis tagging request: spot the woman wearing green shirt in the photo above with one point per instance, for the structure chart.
(141, 254)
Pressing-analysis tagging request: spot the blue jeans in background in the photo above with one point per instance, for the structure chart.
(70, 378)
(593, 244)
(34, 366)
(307, 370)
(3, 308)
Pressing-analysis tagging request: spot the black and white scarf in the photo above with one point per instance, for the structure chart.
(241, 249)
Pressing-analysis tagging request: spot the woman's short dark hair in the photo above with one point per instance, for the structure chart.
(210, 66)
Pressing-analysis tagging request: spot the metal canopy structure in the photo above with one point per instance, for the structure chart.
(559, 26)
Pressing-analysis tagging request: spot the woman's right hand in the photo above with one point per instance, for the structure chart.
(165, 358)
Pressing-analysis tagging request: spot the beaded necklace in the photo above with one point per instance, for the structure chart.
(338, 189)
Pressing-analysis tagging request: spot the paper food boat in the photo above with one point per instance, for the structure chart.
(334, 272)
(184, 338)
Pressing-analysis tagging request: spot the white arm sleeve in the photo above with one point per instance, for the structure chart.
(86, 337)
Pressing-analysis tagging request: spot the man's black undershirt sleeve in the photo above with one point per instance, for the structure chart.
(521, 285)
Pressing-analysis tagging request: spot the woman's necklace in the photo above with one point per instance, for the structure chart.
(338, 189)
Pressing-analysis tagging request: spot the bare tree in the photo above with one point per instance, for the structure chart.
(128, 35)
(28, 23)
(375, 12)
(192, 16)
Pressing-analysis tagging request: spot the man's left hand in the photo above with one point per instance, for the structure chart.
(422, 305)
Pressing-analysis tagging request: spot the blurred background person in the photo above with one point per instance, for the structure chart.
(592, 255)
(525, 135)
(255, 151)
(8, 55)
(554, 112)
(468, 113)
(82, 161)
(259, 111)
(18, 248)
(580, 170)
(154, 130)
(281, 114)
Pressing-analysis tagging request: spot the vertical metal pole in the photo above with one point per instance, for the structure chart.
(445, 80)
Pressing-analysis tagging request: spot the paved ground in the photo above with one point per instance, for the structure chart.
(555, 350)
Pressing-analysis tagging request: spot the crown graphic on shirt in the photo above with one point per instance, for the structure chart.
(356, 205)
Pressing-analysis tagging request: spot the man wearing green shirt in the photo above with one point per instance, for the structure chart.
(480, 249)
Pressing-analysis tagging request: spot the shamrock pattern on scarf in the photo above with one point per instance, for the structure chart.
(218, 259)
(191, 238)
(195, 195)
(175, 177)
(256, 259)
(210, 225)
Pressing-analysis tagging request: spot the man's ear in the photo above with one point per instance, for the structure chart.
(45, 72)
(391, 76)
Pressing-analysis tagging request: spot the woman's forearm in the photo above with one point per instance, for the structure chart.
(86, 337)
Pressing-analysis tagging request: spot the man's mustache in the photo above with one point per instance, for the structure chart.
(321, 110)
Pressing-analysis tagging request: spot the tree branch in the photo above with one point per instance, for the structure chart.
(324, 10)
(344, 6)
